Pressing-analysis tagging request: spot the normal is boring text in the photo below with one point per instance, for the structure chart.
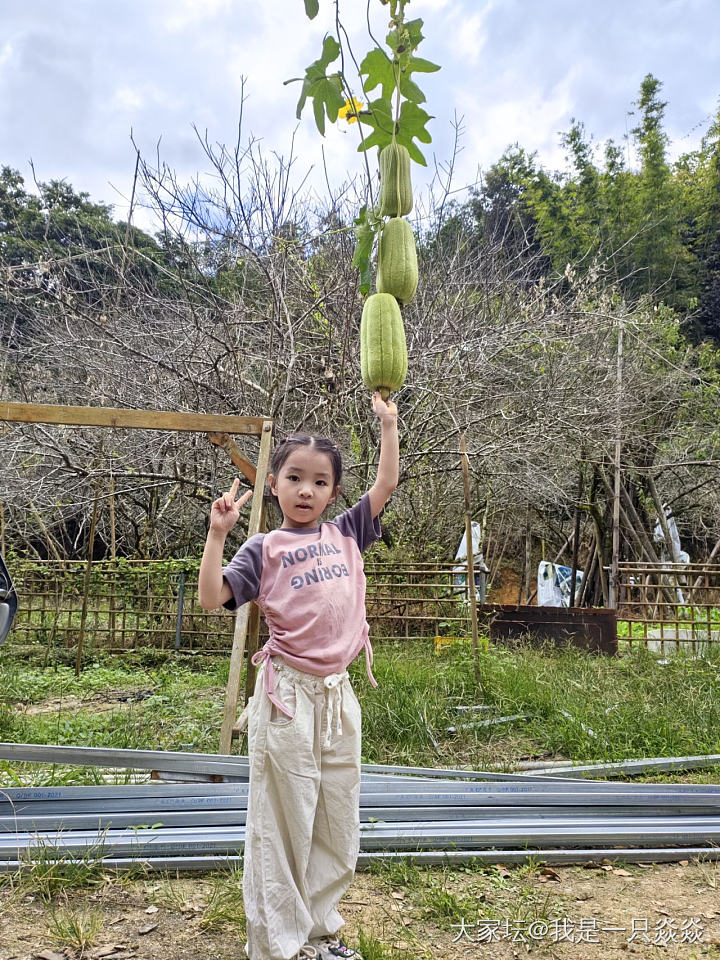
(319, 573)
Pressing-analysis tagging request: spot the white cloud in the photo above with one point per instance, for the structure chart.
(127, 98)
(469, 33)
(531, 118)
(77, 75)
(6, 52)
(135, 97)
(185, 13)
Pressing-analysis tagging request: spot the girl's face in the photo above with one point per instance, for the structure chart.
(304, 487)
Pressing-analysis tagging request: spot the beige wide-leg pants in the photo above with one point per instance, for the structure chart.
(302, 836)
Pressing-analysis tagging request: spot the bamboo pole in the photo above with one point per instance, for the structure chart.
(469, 550)
(590, 568)
(633, 524)
(237, 655)
(86, 585)
(576, 541)
(713, 554)
(528, 559)
(614, 585)
(112, 515)
(599, 541)
(113, 557)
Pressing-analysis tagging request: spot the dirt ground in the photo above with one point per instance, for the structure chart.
(667, 910)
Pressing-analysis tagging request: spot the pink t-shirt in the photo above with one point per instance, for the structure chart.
(310, 585)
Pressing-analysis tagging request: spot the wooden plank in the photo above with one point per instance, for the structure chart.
(131, 419)
(227, 443)
(237, 654)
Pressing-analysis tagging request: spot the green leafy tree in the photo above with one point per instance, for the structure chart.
(57, 243)
(706, 241)
(658, 252)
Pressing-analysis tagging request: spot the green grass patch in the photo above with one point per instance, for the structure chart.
(581, 706)
(576, 705)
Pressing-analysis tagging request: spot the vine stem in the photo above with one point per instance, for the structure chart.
(398, 20)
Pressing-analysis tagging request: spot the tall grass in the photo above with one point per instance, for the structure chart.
(576, 705)
(581, 706)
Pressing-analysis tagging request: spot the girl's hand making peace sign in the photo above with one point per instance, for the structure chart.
(225, 510)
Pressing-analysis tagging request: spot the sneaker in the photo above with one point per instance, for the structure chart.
(330, 948)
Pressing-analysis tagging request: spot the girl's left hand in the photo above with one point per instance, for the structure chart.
(384, 409)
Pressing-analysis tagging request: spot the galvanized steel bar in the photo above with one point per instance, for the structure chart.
(469, 835)
(634, 767)
(229, 815)
(422, 858)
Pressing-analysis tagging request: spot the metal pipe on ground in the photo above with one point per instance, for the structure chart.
(422, 858)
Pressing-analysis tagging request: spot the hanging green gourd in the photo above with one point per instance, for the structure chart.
(383, 351)
(391, 118)
(397, 260)
(396, 197)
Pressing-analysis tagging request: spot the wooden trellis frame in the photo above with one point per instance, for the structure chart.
(219, 429)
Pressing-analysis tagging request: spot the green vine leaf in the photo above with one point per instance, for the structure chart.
(408, 88)
(420, 65)
(325, 91)
(379, 70)
(410, 127)
(378, 67)
(311, 8)
(405, 39)
(378, 116)
(390, 74)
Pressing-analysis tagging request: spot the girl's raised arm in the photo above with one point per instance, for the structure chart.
(389, 466)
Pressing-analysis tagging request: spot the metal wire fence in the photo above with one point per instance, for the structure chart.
(121, 605)
(669, 607)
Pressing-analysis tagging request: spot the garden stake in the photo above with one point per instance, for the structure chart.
(86, 583)
(469, 551)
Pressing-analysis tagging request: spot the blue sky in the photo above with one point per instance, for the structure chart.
(76, 76)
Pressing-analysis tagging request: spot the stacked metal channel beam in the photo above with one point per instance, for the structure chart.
(426, 814)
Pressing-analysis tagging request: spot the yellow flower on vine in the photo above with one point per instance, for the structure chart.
(350, 111)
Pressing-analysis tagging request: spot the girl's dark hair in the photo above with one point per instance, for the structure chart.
(322, 444)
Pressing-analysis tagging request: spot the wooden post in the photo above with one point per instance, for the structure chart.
(113, 557)
(576, 542)
(253, 630)
(614, 584)
(241, 621)
(112, 514)
(599, 540)
(469, 551)
(529, 593)
(86, 585)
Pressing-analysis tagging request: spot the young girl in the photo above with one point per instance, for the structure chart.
(302, 835)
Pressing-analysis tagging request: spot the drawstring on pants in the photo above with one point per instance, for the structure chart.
(333, 705)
